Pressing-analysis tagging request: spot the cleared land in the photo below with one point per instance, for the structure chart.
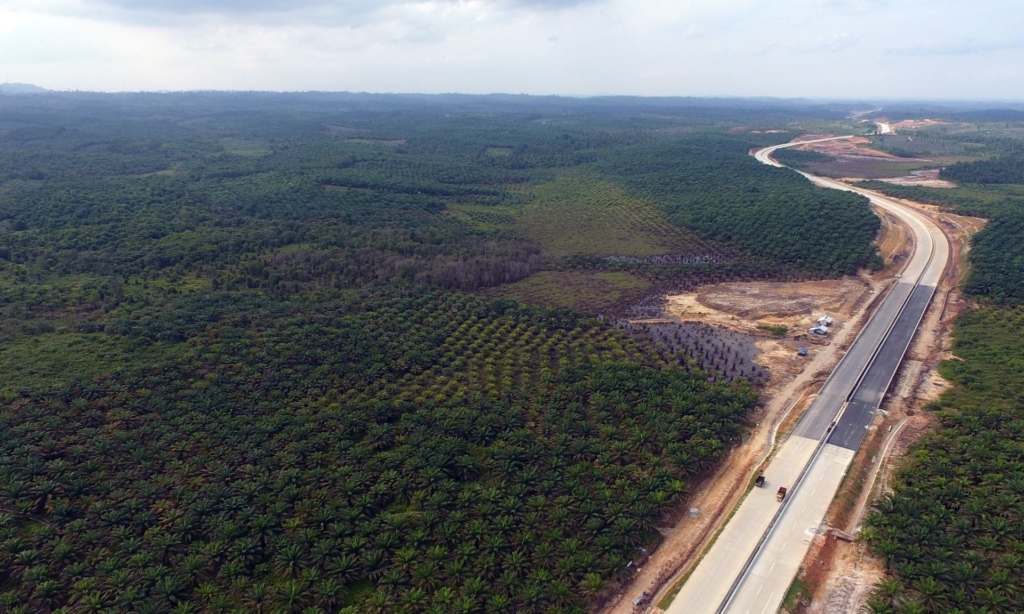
(855, 158)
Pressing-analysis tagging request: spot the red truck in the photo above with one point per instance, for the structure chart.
(779, 496)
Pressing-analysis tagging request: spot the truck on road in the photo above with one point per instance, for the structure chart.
(779, 496)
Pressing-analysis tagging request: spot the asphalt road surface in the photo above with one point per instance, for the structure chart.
(754, 560)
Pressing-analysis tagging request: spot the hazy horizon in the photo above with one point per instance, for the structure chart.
(970, 102)
(813, 49)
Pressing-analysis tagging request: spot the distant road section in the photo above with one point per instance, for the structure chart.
(757, 555)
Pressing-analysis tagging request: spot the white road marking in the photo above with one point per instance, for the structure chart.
(769, 602)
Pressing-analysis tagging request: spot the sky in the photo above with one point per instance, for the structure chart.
(824, 49)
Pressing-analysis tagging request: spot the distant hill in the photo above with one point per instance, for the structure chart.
(21, 88)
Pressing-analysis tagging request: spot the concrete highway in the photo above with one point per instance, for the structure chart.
(757, 555)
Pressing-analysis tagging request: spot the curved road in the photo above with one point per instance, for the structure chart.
(757, 555)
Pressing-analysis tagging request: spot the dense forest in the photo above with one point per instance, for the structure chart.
(1005, 168)
(718, 190)
(950, 532)
(273, 353)
(400, 450)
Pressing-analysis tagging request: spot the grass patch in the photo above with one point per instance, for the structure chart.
(47, 360)
(796, 589)
(584, 291)
(576, 215)
(778, 331)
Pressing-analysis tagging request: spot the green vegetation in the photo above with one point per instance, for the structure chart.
(259, 353)
(797, 158)
(575, 289)
(975, 200)
(1006, 168)
(950, 531)
(796, 593)
(997, 260)
(711, 185)
(400, 451)
(576, 216)
(912, 145)
(47, 360)
(778, 331)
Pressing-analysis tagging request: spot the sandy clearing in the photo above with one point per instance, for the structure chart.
(849, 148)
(742, 306)
(913, 124)
(926, 178)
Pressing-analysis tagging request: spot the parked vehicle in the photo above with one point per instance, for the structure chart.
(759, 482)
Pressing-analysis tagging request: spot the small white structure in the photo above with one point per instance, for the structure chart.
(825, 321)
(819, 330)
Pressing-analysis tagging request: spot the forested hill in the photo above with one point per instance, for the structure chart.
(242, 367)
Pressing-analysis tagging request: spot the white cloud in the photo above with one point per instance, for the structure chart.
(820, 48)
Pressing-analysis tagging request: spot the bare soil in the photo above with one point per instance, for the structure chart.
(849, 148)
(742, 307)
(913, 124)
(926, 178)
(745, 306)
(855, 161)
(894, 240)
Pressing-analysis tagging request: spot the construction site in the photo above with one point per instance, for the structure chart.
(778, 318)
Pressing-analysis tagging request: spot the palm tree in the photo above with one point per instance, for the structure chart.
(591, 585)
(330, 593)
(931, 594)
(344, 568)
(290, 560)
(294, 595)
(259, 597)
(878, 605)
